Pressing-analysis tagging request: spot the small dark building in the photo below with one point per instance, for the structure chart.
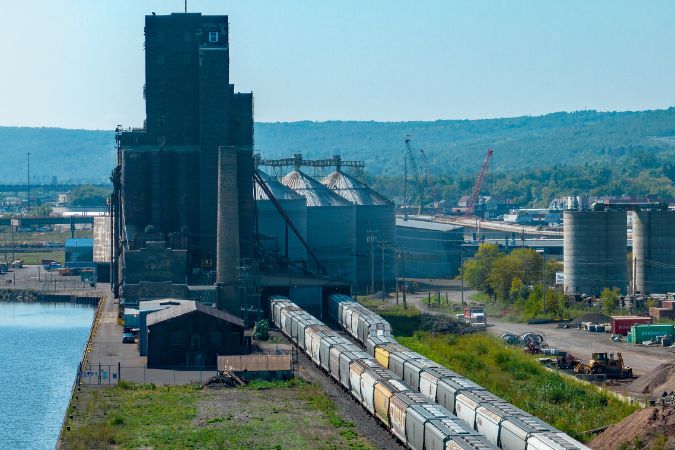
(79, 250)
(192, 335)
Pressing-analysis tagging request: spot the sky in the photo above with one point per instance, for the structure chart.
(80, 63)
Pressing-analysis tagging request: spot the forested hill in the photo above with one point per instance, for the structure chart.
(452, 146)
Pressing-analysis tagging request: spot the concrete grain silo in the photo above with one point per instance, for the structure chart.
(272, 224)
(331, 225)
(595, 251)
(374, 214)
(654, 251)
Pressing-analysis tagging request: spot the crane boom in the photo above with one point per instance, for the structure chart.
(429, 180)
(414, 166)
(478, 184)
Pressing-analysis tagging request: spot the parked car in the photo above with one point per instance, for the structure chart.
(128, 338)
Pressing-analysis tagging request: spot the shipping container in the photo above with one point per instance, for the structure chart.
(622, 324)
(489, 418)
(641, 333)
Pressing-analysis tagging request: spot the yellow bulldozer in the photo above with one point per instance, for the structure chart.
(601, 363)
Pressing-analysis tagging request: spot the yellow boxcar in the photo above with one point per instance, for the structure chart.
(382, 357)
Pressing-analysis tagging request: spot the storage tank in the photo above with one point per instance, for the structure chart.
(272, 224)
(331, 225)
(595, 250)
(374, 213)
(654, 251)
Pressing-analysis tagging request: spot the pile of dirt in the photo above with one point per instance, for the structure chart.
(656, 382)
(648, 428)
(591, 317)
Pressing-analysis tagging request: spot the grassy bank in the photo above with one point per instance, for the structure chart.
(512, 375)
(263, 415)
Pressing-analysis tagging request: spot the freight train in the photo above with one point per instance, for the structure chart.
(503, 424)
(416, 422)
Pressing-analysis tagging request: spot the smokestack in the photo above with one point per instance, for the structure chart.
(227, 231)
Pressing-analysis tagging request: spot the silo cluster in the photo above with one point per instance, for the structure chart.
(375, 219)
(272, 225)
(595, 251)
(654, 251)
(331, 225)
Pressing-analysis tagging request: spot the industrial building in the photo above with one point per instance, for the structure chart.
(428, 249)
(595, 248)
(375, 229)
(595, 251)
(168, 174)
(331, 225)
(654, 251)
(192, 335)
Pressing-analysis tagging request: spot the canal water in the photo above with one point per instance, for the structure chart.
(40, 347)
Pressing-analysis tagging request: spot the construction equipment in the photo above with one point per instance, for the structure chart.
(478, 184)
(429, 180)
(566, 361)
(601, 363)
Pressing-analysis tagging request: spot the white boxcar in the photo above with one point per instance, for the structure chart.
(439, 432)
(466, 404)
(515, 431)
(553, 441)
(415, 420)
(398, 405)
(449, 388)
(429, 381)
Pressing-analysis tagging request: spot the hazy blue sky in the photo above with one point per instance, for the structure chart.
(79, 63)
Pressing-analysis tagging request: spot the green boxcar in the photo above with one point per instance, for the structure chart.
(641, 333)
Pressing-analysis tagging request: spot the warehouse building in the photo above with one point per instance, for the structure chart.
(428, 249)
(192, 335)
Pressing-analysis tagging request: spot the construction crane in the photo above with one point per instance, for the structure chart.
(414, 166)
(478, 184)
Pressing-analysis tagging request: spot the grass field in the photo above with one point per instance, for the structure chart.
(288, 415)
(512, 375)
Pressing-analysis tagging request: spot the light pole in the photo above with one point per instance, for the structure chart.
(28, 184)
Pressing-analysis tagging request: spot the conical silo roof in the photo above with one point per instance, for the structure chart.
(314, 192)
(279, 191)
(353, 190)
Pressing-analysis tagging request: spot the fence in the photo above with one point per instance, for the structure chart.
(110, 374)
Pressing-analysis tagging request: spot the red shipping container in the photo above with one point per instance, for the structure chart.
(622, 324)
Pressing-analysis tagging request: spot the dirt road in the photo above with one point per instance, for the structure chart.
(579, 343)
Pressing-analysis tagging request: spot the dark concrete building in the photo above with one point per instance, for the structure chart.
(169, 166)
(192, 335)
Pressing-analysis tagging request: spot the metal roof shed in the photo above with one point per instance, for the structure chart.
(192, 335)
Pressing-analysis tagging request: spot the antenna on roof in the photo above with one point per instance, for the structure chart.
(185, 6)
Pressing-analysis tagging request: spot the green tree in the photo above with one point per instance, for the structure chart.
(502, 273)
(477, 269)
(89, 195)
(610, 300)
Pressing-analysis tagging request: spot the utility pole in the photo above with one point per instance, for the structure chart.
(383, 290)
(371, 245)
(397, 283)
(634, 300)
(28, 184)
(461, 271)
(405, 188)
(405, 304)
(543, 279)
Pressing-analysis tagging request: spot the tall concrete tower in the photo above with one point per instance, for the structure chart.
(170, 164)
